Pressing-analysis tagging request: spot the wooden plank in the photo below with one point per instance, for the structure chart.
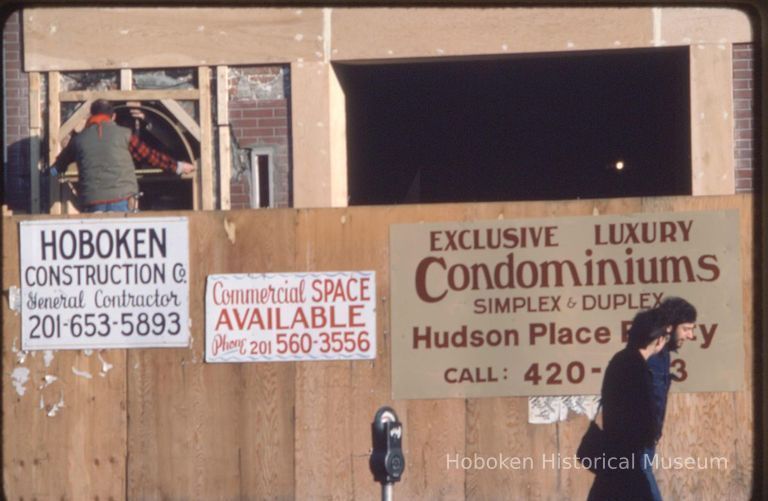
(225, 167)
(310, 135)
(35, 94)
(126, 79)
(338, 141)
(76, 121)
(222, 95)
(63, 432)
(54, 141)
(129, 95)
(167, 37)
(712, 121)
(302, 430)
(35, 134)
(189, 123)
(397, 33)
(215, 431)
(206, 139)
(682, 26)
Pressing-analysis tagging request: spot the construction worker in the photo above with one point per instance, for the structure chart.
(105, 153)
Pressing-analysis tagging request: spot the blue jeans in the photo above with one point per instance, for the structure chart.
(121, 206)
(647, 467)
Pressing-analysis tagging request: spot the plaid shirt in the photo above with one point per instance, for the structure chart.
(140, 152)
(144, 154)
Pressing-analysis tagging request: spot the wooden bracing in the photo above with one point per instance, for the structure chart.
(61, 194)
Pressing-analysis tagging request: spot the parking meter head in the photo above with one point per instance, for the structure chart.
(387, 461)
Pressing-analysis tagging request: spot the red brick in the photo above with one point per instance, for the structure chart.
(258, 132)
(272, 122)
(742, 84)
(741, 65)
(271, 103)
(245, 124)
(258, 113)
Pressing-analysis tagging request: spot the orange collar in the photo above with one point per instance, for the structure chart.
(98, 120)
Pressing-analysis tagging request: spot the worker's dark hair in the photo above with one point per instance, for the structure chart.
(102, 107)
(647, 326)
(676, 311)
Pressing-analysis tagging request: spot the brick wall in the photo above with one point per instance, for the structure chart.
(743, 88)
(258, 114)
(16, 191)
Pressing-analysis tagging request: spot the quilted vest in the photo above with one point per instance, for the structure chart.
(105, 164)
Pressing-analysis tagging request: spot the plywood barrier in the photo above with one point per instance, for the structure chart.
(161, 423)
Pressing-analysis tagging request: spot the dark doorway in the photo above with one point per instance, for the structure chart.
(526, 127)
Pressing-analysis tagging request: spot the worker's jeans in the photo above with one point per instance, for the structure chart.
(121, 206)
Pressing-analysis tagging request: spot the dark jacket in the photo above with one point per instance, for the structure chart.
(105, 166)
(629, 421)
(662, 379)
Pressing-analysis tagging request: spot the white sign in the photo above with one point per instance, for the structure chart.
(290, 316)
(104, 283)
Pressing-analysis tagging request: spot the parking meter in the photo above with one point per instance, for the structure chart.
(387, 461)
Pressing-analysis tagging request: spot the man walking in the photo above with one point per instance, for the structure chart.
(105, 153)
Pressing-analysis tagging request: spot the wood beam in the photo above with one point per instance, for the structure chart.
(77, 119)
(225, 167)
(126, 79)
(175, 109)
(206, 134)
(130, 95)
(54, 142)
(225, 140)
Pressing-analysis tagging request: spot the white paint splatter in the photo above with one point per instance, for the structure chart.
(298, 37)
(105, 367)
(124, 31)
(440, 51)
(88, 352)
(48, 380)
(47, 357)
(55, 407)
(19, 378)
(84, 374)
(504, 47)
(53, 29)
(201, 28)
(14, 299)
(570, 45)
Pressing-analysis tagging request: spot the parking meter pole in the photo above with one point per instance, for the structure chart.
(386, 492)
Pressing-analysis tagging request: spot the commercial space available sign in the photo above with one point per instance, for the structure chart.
(104, 283)
(539, 306)
(290, 316)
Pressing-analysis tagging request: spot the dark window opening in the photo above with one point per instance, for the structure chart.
(526, 127)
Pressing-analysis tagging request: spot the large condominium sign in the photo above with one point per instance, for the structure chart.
(538, 306)
(104, 283)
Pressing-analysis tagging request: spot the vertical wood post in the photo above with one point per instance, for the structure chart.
(222, 119)
(206, 139)
(54, 141)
